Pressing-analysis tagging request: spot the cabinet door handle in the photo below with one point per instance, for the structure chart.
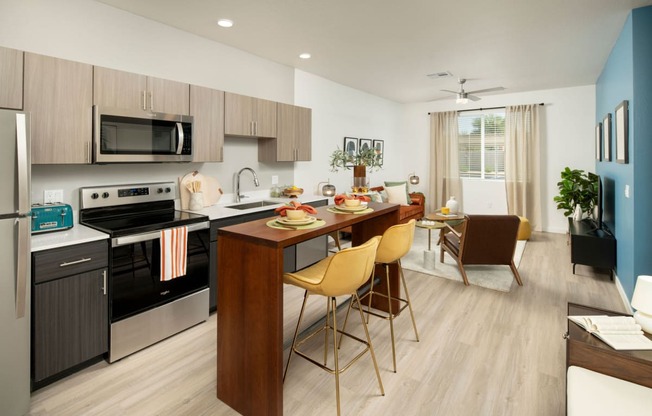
(104, 282)
(145, 100)
(71, 263)
(151, 101)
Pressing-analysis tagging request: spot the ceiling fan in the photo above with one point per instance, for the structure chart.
(463, 97)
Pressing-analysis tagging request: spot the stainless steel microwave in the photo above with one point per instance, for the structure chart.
(131, 136)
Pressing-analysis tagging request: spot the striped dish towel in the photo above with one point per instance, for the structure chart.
(174, 249)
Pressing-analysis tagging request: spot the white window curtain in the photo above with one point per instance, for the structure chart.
(444, 166)
(522, 164)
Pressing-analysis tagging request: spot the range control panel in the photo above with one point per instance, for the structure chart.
(107, 196)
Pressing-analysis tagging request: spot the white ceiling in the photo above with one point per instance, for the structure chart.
(387, 47)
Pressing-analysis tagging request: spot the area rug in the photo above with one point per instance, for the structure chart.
(498, 278)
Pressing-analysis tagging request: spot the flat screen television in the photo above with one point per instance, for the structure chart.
(596, 216)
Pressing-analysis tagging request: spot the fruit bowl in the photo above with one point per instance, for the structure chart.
(292, 192)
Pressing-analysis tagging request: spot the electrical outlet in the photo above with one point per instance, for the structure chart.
(274, 179)
(52, 196)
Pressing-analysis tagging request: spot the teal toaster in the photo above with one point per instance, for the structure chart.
(51, 217)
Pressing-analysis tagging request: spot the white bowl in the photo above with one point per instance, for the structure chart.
(295, 214)
(352, 202)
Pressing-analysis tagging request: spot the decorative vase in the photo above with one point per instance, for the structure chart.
(359, 178)
(452, 205)
(577, 214)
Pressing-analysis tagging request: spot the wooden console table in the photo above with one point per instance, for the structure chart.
(586, 350)
(591, 246)
(250, 303)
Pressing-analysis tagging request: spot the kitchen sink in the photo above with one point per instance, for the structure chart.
(256, 204)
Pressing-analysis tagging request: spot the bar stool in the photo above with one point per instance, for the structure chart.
(395, 243)
(340, 274)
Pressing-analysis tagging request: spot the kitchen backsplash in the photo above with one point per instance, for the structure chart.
(238, 153)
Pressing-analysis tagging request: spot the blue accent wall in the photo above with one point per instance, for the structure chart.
(627, 75)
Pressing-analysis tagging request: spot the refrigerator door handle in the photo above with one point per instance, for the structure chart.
(23, 163)
(23, 265)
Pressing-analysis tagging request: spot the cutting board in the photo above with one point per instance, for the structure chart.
(210, 187)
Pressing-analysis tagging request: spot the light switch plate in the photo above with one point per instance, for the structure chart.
(626, 191)
(274, 179)
(52, 196)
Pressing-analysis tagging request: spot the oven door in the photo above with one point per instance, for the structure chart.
(135, 278)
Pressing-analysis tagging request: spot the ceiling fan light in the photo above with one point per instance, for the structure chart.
(461, 100)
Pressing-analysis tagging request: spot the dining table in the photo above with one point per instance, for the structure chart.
(250, 301)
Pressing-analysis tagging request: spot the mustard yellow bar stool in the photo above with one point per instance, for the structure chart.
(338, 275)
(395, 243)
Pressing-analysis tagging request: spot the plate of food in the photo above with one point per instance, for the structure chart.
(304, 221)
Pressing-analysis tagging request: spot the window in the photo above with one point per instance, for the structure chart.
(482, 145)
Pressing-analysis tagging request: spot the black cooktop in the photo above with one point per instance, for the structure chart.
(137, 218)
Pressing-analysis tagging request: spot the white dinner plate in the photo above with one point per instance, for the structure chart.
(304, 221)
(350, 209)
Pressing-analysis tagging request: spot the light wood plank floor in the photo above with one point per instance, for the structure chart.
(482, 352)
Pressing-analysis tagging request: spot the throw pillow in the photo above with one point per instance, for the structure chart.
(397, 195)
(407, 194)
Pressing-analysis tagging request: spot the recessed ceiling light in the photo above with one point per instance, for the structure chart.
(225, 23)
(304, 55)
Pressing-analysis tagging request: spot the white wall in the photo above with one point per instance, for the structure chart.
(338, 112)
(94, 33)
(567, 131)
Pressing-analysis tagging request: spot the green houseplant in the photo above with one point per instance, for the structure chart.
(340, 159)
(576, 188)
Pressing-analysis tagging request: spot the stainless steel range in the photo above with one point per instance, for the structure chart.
(144, 308)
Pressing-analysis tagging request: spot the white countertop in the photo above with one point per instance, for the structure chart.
(79, 234)
(222, 209)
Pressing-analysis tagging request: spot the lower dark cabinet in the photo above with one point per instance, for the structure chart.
(70, 319)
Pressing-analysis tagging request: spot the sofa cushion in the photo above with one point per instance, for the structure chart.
(408, 211)
(399, 183)
(396, 195)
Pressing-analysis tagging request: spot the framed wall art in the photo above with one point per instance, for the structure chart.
(622, 132)
(364, 144)
(379, 148)
(598, 141)
(351, 148)
(606, 137)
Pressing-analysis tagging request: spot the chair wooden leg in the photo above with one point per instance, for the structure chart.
(335, 235)
(407, 297)
(462, 271)
(371, 347)
(296, 333)
(517, 276)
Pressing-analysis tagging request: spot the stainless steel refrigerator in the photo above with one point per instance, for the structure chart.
(15, 229)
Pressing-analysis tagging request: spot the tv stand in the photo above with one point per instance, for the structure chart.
(591, 246)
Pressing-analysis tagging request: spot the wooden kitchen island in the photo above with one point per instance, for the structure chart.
(250, 303)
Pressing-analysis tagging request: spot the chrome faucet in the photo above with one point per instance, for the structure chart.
(237, 183)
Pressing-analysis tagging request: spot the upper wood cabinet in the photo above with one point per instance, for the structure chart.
(293, 138)
(59, 95)
(126, 90)
(249, 116)
(11, 78)
(207, 109)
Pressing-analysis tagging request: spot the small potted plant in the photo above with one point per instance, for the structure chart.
(577, 193)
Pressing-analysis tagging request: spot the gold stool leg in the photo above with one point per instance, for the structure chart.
(346, 319)
(371, 290)
(407, 297)
(296, 333)
(391, 316)
(371, 347)
(333, 303)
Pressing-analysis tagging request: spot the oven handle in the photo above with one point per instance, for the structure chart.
(131, 239)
